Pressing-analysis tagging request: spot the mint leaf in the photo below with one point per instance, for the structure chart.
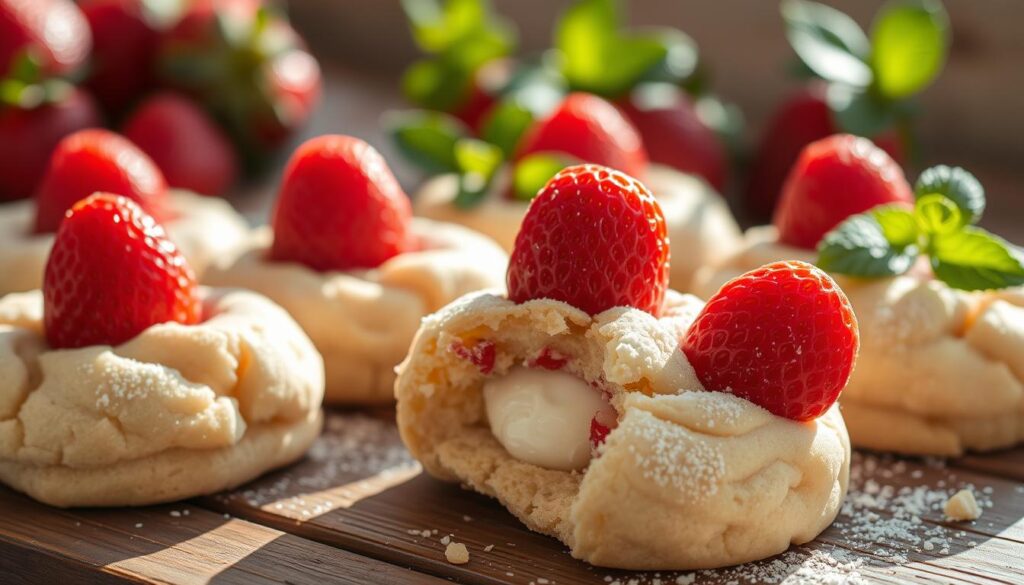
(679, 65)
(428, 139)
(534, 171)
(505, 125)
(899, 227)
(860, 245)
(477, 157)
(974, 259)
(938, 214)
(434, 85)
(956, 184)
(436, 26)
(596, 56)
(909, 41)
(829, 42)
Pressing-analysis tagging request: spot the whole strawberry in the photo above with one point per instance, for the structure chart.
(184, 142)
(802, 119)
(590, 129)
(340, 207)
(594, 238)
(29, 133)
(125, 39)
(674, 135)
(783, 337)
(833, 179)
(247, 66)
(112, 273)
(97, 160)
(54, 32)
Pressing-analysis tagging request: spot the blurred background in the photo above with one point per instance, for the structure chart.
(970, 116)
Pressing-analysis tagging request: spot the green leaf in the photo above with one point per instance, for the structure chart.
(829, 42)
(899, 226)
(860, 112)
(909, 39)
(681, 58)
(505, 125)
(534, 171)
(958, 185)
(435, 85)
(937, 214)
(860, 246)
(437, 26)
(428, 139)
(596, 56)
(974, 259)
(477, 157)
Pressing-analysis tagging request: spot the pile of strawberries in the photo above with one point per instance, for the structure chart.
(206, 90)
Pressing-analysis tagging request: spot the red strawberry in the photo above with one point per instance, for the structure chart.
(590, 129)
(125, 40)
(247, 66)
(184, 142)
(29, 135)
(594, 238)
(802, 119)
(53, 31)
(113, 273)
(835, 178)
(97, 160)
(340, 207)
(484, 87)
(783, 337)
(674, 135)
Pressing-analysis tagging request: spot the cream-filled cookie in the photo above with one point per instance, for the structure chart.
(204, 228)
(941, 369)
(110, 397)
(642, 428)
(701, 228)
(940, 372)
(345, 258)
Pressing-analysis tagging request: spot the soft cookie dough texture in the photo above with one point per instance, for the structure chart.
(689, 479)
(701, 229)
(940, 371)
(362, 321)
(204, 228)
(176, 412)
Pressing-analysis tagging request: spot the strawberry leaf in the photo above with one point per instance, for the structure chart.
(909, 39)
(596, 56)
(828, 42)
(505, 125)
(438, 26)
(958, 185)
(860, 112)
(879, 243)
(974, 259)
(477, 162)
(428, 139)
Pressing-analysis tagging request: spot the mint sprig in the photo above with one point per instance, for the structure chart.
(887, 240)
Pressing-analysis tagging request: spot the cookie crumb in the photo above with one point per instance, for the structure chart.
(456, 553)
(175, 514)
(962, 506)
(138, 524)
(686, 579)
(489, 548)
(446, 540)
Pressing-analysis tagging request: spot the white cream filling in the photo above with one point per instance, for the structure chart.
(543, 416)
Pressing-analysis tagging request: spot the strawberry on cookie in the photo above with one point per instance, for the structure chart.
(583, 128)
(345, 257)
(940, 301)
(625, 419)
(121, 372)
(96, 160)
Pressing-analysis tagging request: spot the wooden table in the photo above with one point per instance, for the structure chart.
(359, 510)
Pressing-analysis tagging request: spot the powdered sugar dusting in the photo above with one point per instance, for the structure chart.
(675, 458)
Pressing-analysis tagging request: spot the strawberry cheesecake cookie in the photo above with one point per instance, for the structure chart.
(939, 301)
(88, 161)
(346, 258)
(641, 427)
(586, 128)
(123, 383)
